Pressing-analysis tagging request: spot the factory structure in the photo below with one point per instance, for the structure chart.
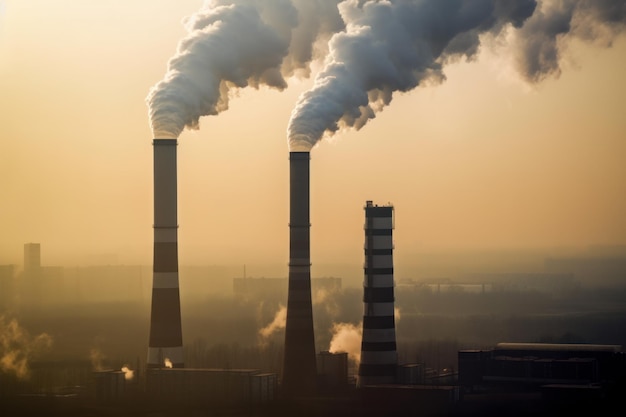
(302, 368)
(548, 365)
(382, 384)
(380, 381)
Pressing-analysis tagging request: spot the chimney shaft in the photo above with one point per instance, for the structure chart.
(166, 341)
(299, 367)
(379, 358)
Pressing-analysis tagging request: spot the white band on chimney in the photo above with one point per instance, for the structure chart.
(381, 261)
(165, 280)
(381, 281)
(381, 242)
(378, 309)
(379, 335)
(381, 223)
(157, 355)
(165, 234)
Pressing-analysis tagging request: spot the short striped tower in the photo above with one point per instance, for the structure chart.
(166, 340)
(379, 358)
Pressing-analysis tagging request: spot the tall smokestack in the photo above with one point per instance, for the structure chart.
(166, 340)
(379, 358)
(299, 366)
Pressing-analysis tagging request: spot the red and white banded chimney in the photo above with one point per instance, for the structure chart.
(379, 358)
(166, 340)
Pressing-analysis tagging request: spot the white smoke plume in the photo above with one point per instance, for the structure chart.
(395, 45)
(232, 45)
(347, 338)
(279, 322)
(18, 347)
(371, 49)
(168, 363)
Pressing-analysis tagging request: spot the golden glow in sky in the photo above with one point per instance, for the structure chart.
(482, 160)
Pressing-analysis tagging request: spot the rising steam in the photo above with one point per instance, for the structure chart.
(129, 374)
(18, 347)
(279, 322)
(394, 46)
(347, 338)
(232, 45)
(371, 48)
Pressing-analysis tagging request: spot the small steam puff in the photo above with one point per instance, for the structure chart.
(347, 338)
(396, 45)
(129, 374)
(235, 44)
(18, 347)
(279, 322)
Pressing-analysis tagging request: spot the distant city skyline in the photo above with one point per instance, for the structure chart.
(481, 161)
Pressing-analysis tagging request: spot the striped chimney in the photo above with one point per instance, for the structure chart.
(166, 340)
(379, 358)
(299, 366)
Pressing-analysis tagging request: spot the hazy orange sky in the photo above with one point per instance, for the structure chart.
(480, 161)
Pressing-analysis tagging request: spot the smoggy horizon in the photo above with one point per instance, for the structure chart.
(481, 161)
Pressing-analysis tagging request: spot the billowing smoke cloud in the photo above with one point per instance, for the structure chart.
(347, 338)
(279, 322)
(371, 48)
(231, 45)
(394, 46)
(538, 46)
(18, 347)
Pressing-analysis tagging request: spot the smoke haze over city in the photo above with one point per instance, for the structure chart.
(493, 130)
(482, 160)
